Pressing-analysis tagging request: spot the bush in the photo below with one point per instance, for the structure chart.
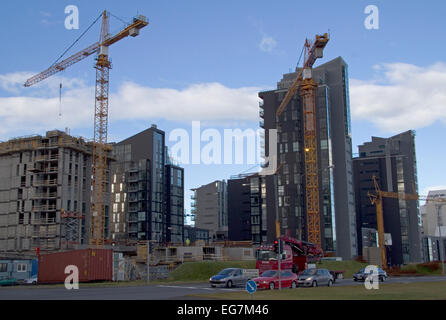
(430, 266)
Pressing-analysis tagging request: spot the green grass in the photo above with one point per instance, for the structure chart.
(203, 270)
(386, 291)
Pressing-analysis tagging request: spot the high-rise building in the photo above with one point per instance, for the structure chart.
(147, 190)
(393, 163)
(433, 216)
(45, 184)
(247, 208)
(209, 206)
(336, 191)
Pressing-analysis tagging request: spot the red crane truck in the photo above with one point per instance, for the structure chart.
(296, 255)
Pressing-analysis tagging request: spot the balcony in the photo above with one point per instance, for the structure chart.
(45, 183)
(44, 221)
(261, 113)
(47, 157)
(44, 208)
(133, 208)
(46, 195)
(262, 124)
(133, 178)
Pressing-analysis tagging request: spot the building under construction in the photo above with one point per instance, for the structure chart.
(45, 191)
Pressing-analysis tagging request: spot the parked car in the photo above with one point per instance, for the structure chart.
(361, 275)
(32, 280)
(230, 277)
(315, 277)
(270, 280)
(5, 281)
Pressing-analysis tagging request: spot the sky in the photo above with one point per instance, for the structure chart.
(206, 61)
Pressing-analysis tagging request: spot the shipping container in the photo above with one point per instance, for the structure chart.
(93, 265)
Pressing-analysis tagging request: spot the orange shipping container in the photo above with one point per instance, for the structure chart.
(93, 265)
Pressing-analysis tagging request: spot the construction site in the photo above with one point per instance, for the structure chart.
(120, 206)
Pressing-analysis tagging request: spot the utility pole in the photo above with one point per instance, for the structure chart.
(441, 246)
(279, 260)
(148, 261)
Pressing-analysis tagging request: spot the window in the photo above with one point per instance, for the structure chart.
(21, 267)
(3, 267)
(295, 146)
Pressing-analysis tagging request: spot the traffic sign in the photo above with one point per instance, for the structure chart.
(251, 286)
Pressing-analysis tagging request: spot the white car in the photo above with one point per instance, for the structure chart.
(32, 280)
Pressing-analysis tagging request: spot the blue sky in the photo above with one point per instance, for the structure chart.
(216, 49)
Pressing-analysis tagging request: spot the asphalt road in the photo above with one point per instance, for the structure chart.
(151, 292)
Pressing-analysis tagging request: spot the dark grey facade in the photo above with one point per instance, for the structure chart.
(247, 209)
(148, 199)
(195, 234)
(393, 162)
(175, 203)
(338, 223)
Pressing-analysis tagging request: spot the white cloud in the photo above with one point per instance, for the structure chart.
(36, 109)
(402, 97)
(267, 44)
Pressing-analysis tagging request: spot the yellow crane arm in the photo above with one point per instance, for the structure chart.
(290, 93)
(62, 65)
(131, 30)
(314, 53)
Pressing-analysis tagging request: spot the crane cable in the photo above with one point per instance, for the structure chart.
(83, 33)
(298, 61)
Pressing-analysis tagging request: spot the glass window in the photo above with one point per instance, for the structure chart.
(21, 267)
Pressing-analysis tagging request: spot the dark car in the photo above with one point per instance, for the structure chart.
(229, 278)
(315, 277)
(361, 275)
(270, 280)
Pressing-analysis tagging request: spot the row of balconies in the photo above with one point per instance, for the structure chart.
(47, 157)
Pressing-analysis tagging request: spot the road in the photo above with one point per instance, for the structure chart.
(151, 292)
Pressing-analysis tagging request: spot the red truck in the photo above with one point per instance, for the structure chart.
(296, 255)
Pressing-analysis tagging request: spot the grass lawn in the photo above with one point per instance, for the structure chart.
(386, 291)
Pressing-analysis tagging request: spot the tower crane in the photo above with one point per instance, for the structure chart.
(377, 200)
(307, 87)
(100, 147)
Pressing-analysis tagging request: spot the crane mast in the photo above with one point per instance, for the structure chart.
(307, 87)
(99, 157)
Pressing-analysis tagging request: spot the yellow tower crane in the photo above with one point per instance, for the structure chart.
(377, 199)
(100, 147)
(307, 87)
